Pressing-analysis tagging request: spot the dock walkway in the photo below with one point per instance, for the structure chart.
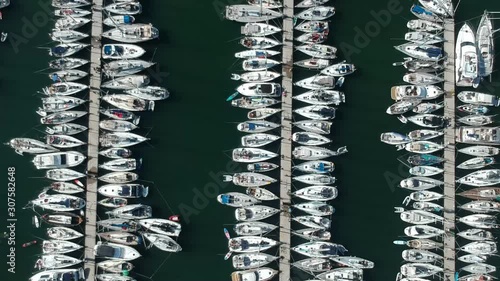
(286, 142)
(449, 153)
(93, 140)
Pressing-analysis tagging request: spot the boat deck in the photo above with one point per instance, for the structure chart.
(449, 152)
(286, 143)
(93, 140)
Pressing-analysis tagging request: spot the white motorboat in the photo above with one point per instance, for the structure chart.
(423, 231)
(127, 82)
(422, 37)
(477, 98)
(466, 60)
(313, 63)
(258, 274)
(66, 274)
(119, 237)
(259, 29)
(315, 179)
(480, 221)
(152, 93)
(59, 247)
(261, 194)
(120, 165)
(420, 217)
(119, 68)
(236, 199)
(116, 153)
(67, 36)
(250, 13)
(402, 106)
(71, 12)
(66, 129)
(63, 233)
(129, 102)
(163, 242)
(313, 234)
(353, 262)
(485, 45)
(319, 249)
(420, 183)
(475, 234)
(268, 4)
(124, 8)
(308, 138)
(253, 102)
(317, 193)
(63, 141)
(439, 7)
(313, 221)
(254, 213)
(59, 103)
(318, 51)
(479, 268)
(318, 166)
(58, 160)
(317, 112)
(248, 244)
(119, 224)
(64, 89)
(252, 260)
(419, 270)
(317, 82)
(248, 54)
(131, 190)
(62, 219)
(67, 63)
(420, 256)
(122, 51)
(339, 69)
(257, 64)
(253, 42)
(315, 208)
(316, 13)
(69, 22)
(117, 125)
(261, 167)
(254, 228)
(480, 150)
(65, 187)
(480, 248)
(115, 21)
(424, 25)
(62, 117)
(115, 266)
(31, 146)
(120, 114)
(58, 202)
(425, 196)
(120, 139)
(481, 206)
(258, 140)
(262, 113)
(422, 78)
(427, 120)
(256, 76)
(63, 174)
(113, 202)
(477, 120)
(251, 155)
(312, 37)
(321, 97)
(425, 171)
(485, 177)
(421, 51)
(477, 163)
(469, 258)
(119, 177)
(314, 265)
(134, 33)
(424, 134)
(115, 251)
(315, 153)
(406, 92)
(423, 147)
(310, 3)
(260, 89)
(473, 108)
(67, 49)
(427, 107)
(162, 226)
(315, 126)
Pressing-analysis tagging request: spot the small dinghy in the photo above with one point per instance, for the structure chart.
(119, 177)
(163, 242)
(63, 175)
(162, 226)
(248, 54)
(423, 147)
(250, 13)
(71, 12)
(261, 167)
(260, 274)
(316, 153)
(480, 221)
(317, 82)
(481, 206)
(248, 244)
(254, 213)
(402, 106)
(316, 13)
(424, 159)
(315, 179)
(249, 179)
(425, 171)
(66, 50)
(318, 167)
(480, 248)
(236, 199)
(124, 238)
(64, 89)
(31, 146)
(259, 42)
(117, 125)
(119, 225)
(339, 69)
(475, 234)
(473, 108)
(115, 266)
(121, 114)
(115, 21)
(313, 234)
(131, 190)
(469, 258)
(353, 262)
(477, 120)
(426, 107)
(121, 139)
(477, 163)
(318, 51)
(479, 268)
(259, 29)
(122, 51)
(58, 202)
(394, 138)
(308, 138)
(427, 120)
(423, 231)
(314, 126)
(320, 249)
(152, 93)
(252, 260)
(67, 75)
(252, 155)
(255, 228)
(313, 221)
(480, 150)
(59, 247)
(62, 117)
(317, 193)
(315, 265)
(321, 97)
(120, 68)
(419, 270)
(315, 208)
(120, 165)
(115, 251)
(113, 202)
(257, 126)
(258, 140)
(313, 63)
(424, 134)
(62, 219)
(421, 51)
(262, 113)
(267, 4)
(422, 78)
(424, 25)
(124, 8)
(420, 217)
(127, 82)
(63, 141)
(67, 36)
(66, 129)
(419, 183)
(253, 102)
(261, 194)
(69, 22)
(63, 233)
(116, 153)
(316, 112)
(59, 103)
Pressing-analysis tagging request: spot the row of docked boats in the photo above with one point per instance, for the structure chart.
(426, 215)
(255, 207)
(130, 224)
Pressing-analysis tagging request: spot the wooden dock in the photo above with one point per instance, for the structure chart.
(286, 142)
(449, 152)
(93, 140)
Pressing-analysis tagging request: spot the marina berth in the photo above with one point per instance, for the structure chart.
(253, 42)
(315, 265)
(56, 261)
(121, 165)
(402, 106)
(308, 138)
(485, 45)
(473, 109)
(428, 207)
(312, 38)
(422, 37)
(315, 153)
(481, 193)
(315, 126)
(439, 7)
(425, 171)
(310, 3)
(64, 89)
(394, 138)
(405, 92)
(260, 53)
(313, 221)
(236, 199)
(258, 64)
(318, 166)
(250, 13)
(481, 206)
(261, 194)
(119, 225)
(120, 139)
(129, 102)
(425, 196)
(58, 202)
(66, 49)
(262, 113)
(480, 221)
(254, 213)
(477, 120)
(66, 274)
(260, 274)
(113, 202)
(116, 153)
(256, 76)
(315, 179)
(63, 141)
(317, 193)
(252, 155)
(315, 208)
(124, 8)
(269, 4)
(120, 114)
(153, 93)
(119, 68)
(115, 251)
(485, 177)
(479, 268)
(31, 146)
(60, 103)
(477, 98)
(115, 266)
(319, 249)
(161, 226)
(318, 51)
(427, 120)
(313, 234)
(420, 217)
(427, 107)
(258, 140)
(63, 219)
(424, 159)
(317, 112)
(261, 167)
(249, 244)
(423, 147)
(259, 29)
(118, 237)
(419, 183)
(122, 51)
(67, 75)
(128, 82)
(474, 234)
(252, 260)
(421, 51)
(163, 242)
(59, 247)
(119, 177)
(62, 233)
(253, 102)
(419, 270)
(480, 150)
(117, 125)
(67, 36)
(313, 63)
(67, 63)
(115, 21)
(131, 190)
(469, 258)
(318, 82)
(424, 25)
(479, 135)
(339, 69)
(424, 134)
(423, 231)
(351, 274)
(260, 89)
(113, 277)
(466, 64)
(316, 13)
(70, 3)
(422, 78)
(71, 12)
(313, 26)
(480, 248)
(63, 174)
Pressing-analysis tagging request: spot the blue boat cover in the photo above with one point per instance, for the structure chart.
(127, 19)
(107, 50)
(55, 77)
(225, 199)
(58, 50)
(420, 10)
(251, 126)
(257, 167)
(321, 166)
(260, 54)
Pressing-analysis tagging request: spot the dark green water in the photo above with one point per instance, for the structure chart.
(194, 130)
